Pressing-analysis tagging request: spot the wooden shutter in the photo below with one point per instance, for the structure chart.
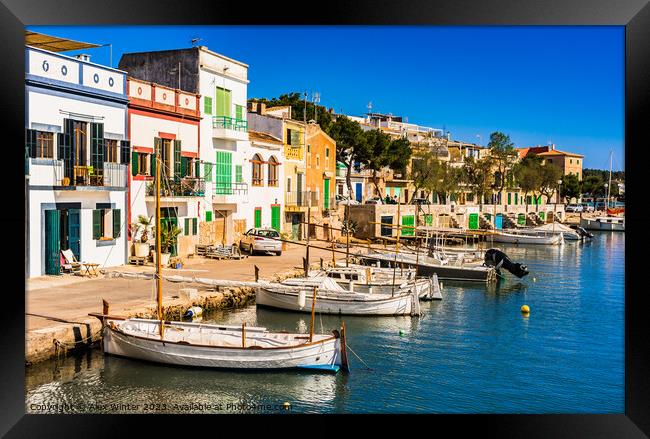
(125, 151)
(178, 161)
(97, 145)
(117, 223)
(134, 163)
(97, 223)
(187, 227)
(194, 226)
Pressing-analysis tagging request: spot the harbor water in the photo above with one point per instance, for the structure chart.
(472, 352)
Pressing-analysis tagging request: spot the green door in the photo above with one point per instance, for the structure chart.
(326, 194)
(521, 219)
(52, 242)
(74, 233)
(473, 221)
(408, 220)
(275, 217)
(258, 217)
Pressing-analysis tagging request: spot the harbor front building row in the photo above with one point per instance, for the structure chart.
(92, 133)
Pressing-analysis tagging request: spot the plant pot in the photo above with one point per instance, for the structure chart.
(164, 259)
(141, 249)
(284, 246)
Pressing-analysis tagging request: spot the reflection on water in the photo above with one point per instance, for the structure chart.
(471, 352)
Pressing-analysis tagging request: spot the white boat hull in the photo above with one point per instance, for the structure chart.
(594, 224)
(511, 238)
(344, 303)
(325, 352)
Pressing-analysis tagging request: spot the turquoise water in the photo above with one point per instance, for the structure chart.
(472, 352)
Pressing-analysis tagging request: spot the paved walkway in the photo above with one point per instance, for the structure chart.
(56, 300)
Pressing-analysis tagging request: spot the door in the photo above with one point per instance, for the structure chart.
(473, 221)
(275, 217)
(521, 219)
(498, 221)
(408, 220)
(326, 193)
(258, 217)
(359, 192)
(295, 227)
(74, 234)
(52, 243)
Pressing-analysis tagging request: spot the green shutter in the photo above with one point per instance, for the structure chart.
(428, 219)
(207, 105)
(97, 146)
(194, 226)
(183, 168)
(207, 168)
(208, 216)
(97, 223)
(186, 229)
(239, 112)
(516, 198)
(238, 174)
(258, 217)
(224, 173)
(134, 163)
(408, 220)
(326, 193)
(117, 223)
(509, 198)
(152, 158)
(178, 161)
(473, 221)
(275, 217)
(224, 102)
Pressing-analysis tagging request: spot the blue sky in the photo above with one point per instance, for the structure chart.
(538, 84)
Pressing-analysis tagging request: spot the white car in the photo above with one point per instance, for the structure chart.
(586, 207)
(573, 208)
(261, 240)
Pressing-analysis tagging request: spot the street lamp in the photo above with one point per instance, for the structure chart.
(606, 197)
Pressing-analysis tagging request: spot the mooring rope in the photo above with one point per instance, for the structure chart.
(355, 354)
(67, 345)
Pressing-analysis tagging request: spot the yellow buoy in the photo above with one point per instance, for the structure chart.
(525, 309)
(286, 405)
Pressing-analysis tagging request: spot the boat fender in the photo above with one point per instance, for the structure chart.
(302, 297)
(193, 312)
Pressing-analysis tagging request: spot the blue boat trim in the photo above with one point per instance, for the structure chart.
(329, 367)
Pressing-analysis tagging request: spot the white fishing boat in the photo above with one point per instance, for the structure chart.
(605, 223)
(216, 346)
(526, 237)
(330, 298)
(378, 280)
(568, 234)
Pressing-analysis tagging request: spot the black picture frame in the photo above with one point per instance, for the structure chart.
(633, 14)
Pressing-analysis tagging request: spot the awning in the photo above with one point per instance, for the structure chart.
(55, 44)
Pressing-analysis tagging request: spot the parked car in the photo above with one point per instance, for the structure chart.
(420, 201)
(373, 201)
(261, 240)
(573, 208)
(587, 207)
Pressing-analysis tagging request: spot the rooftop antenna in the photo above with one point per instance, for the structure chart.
(315, 97)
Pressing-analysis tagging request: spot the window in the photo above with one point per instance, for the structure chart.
(110, 150)
(223, 102)
(273, 171)
(207, 105)
(238, 174)
(258, 175)
(40, 144)
(294, 138)
(140, 162)
(190, 226)
(327, 152)
(107, 224)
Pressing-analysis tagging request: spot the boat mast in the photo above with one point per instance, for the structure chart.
(609, 184)
(158, 233)
(392, 289)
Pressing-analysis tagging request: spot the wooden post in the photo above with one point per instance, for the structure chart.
(304, 266)
(243, 335)
(313, 315)
(257, 273)
(333, 255)
(105, 307)
(158, 242)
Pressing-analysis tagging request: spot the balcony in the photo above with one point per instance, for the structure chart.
(300, 199)
(50, 172)
(184, 187)
(228, 192)
(293, 152)
(224, 127)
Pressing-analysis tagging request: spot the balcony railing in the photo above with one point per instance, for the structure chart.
(301, 198)
(183, 187)
(293, 152)
(229, 123)
(229, 188)
(50, 172)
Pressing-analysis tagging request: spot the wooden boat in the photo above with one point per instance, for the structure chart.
(378, 280)
(604, 223)
(294, 295)
(526, 237)
(217, 346)
(568, 234)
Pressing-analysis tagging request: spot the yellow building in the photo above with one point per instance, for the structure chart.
(321, 178)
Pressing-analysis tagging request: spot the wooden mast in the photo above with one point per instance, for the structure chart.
(158, 240)
(313, 316)
(392, 289)
(609, 183)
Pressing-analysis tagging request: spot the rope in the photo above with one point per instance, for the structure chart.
(67, 345)
(355, 354)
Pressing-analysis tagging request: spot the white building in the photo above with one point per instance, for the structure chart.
(78, 149)
(169, 120)
(222, 83)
